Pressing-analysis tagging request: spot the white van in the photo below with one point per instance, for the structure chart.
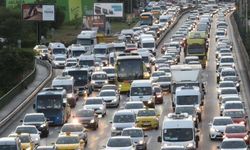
(66, 82)
(148, 43)
(179, 130)
(142, 90)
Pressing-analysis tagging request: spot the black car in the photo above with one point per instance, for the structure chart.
(38, 120)
(87, 117)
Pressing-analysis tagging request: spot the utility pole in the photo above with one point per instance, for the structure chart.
(246, 16)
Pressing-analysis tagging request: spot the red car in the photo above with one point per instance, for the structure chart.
(237, 131)
(158, 94)
(238, 116)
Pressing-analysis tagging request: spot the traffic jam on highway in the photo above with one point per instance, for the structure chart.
(170, 83)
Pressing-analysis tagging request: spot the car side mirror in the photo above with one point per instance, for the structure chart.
(34, 106)
(145, 135)
(64, 104)
(21, 120)
(246, 116)
(159, 139)
(218, 147)
(110, 122)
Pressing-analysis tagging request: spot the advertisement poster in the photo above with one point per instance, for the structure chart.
(94, 21)
(109, 9)
(38, 12)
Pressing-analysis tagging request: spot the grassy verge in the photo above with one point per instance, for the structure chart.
(118, 26)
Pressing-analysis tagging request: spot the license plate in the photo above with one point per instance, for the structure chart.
(146, 124)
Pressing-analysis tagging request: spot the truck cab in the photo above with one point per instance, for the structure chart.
(179, 130)
(87, 39)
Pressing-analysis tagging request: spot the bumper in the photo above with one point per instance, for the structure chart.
(148, 125)
(111, 104)
(116, 132)
(216, 135)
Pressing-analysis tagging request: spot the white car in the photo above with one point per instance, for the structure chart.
(233, 105)
(110, 97)
(75, 129)
(155, 75)
(59, 61)
(97, 104)
(217, 127)
(134, 106)
(137, 136)
(122, 119)
(30, 129)
(227, 91)
(110, 73)
(98, 79)
(227, 60)
(233, 144)
(120, 143)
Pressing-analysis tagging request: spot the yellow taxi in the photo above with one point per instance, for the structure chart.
(69, 142)
(26, 141)
(147, 119)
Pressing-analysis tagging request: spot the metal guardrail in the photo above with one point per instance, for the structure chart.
(5, 99)
(32, 95)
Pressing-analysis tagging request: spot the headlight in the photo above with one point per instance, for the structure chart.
(219, 90)
(242, 122)
(36, 139)
(100, 107)
(141, 142)
(113, 128)
(237, 84)
(92, 121)
(93, 82)
(120, 85)
(114, 100)
(246, 138)
(43, 125)
(150, 101)
(69, 95)
(159, 95)
(194, 118)
(105, 81)
(190, 145)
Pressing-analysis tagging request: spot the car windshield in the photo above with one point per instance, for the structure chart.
(141, 91)
(93, 102)
(99, 77)
(59, 51)
(145, 59)
(164, 79)
(100, 51)
(178, 134)
(68, 88)
(233, 106)
(189, 110)
(226, 60)
(142, 113)
(89, 63)
(134, 106)
(229, 91)
(107, 87)
(157, 74)
(157, 89)
(119, 142)
(85, 113)
(30, 130)
(230, 78)
(49, 101)
(148, 45)
(222, 122)
(228, 73)
(229, 84)
(132, 133)
(60, 59)
(67, 140)
(234, 114)
(107, 93)
(72, 128)
(85, 41)
(235, 129)
(124, 118)
(109, 70)
(233, 144)
(220, 33)
(187, 100)
(24, 139)
(8, 147)
(34, 118)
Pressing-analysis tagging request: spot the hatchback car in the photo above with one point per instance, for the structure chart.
(147, 119)
(120, 143)
(75, 129)
(237, 131)
(87, 117)
(238, 116)
(97, 104)
(233, 144)
(110, 97)
(138, 137)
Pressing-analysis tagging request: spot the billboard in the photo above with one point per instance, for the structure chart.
(109, 9)
(94, 21)
(38, 12)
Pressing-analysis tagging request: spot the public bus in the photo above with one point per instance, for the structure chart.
(146, 18)
(129, 67)
(196, 45)
(53, 103)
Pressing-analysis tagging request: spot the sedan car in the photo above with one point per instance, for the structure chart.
(237, 131)
(120, 143)
(156, 74)
(137, 136)
(38, 120)
(164, 82)
(30, 129)
(87, 117)
(233, 144)
(229, 91)
(147, 119)
(75, 129)
(134, 106)
(59, 61)
(110, 97)
(97, 104)
(233, 105)
(69, 141)
(238, 116)
(217, 127)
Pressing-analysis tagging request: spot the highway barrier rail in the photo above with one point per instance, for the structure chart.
(19, 87)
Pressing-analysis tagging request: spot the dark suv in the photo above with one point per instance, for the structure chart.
(39, 120)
